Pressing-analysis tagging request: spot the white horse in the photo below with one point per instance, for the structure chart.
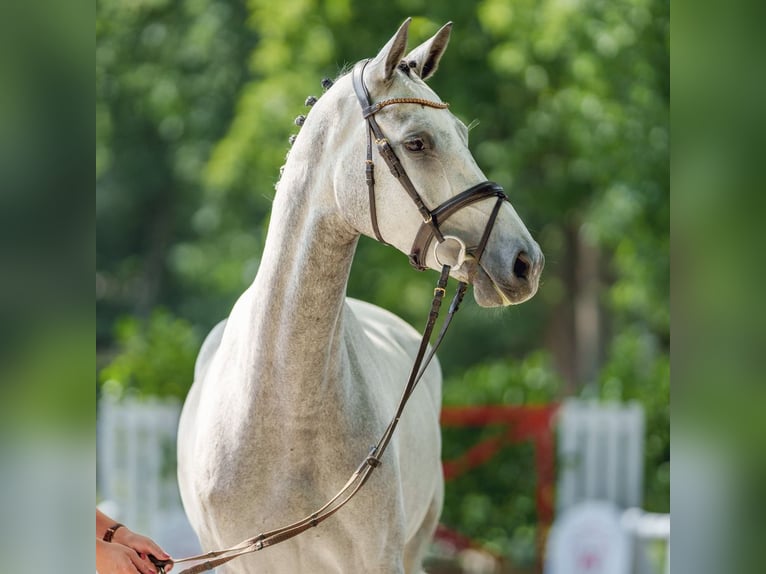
(292, 390)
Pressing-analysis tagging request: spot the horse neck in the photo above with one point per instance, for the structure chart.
(299, 291)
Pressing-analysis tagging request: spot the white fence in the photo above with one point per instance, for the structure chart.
(601, 454)
(136, 470)
(600, 459)
(597, 538)
(650, 535)
(599, 495)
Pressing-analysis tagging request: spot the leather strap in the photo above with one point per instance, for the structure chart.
(109, 534)
(471, 195)
(373, 458)
(375, 108)
(363, 95)
(385, 149)
(372, 461)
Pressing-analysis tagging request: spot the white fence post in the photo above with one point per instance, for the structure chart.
(587, 539)
(600, 454)
(648, 531)
(601, 461)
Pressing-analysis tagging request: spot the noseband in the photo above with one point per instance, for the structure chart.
(432, 218)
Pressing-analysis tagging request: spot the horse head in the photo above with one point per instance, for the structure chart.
(429, 145)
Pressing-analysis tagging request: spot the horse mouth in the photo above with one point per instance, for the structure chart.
(489, 291)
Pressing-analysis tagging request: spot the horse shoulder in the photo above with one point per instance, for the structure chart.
(208, 349)
(379, 322)
(188, 422)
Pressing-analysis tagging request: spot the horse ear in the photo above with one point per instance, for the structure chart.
(425, 58)
(385, 63)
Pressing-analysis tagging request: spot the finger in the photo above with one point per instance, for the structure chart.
(131, 563)
(144, 567)
(121, 559)
(148, 546)
(166, 563)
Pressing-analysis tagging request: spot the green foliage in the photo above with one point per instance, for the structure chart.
(638, 370)
(168, 75)
(495, 503)
(531, 381)
(154, 358)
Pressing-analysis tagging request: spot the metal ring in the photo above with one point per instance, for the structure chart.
(459, 258)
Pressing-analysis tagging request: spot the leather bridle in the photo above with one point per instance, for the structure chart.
(432, 218)
(429, 229)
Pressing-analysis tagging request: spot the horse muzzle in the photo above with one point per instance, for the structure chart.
(497, 285)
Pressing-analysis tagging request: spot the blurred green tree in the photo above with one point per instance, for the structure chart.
(168, 75)
(156, 356)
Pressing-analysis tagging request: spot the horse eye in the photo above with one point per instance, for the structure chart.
(415, 144)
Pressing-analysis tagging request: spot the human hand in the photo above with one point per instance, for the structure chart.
(142, 545)
(115, 558)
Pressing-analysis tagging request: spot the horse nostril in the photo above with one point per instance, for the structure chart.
(521, 266)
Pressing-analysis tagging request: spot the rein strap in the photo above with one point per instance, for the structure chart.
(372, 461)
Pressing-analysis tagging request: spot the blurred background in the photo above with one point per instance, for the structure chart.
(195, 102)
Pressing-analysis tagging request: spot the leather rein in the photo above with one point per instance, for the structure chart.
(424, 237)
